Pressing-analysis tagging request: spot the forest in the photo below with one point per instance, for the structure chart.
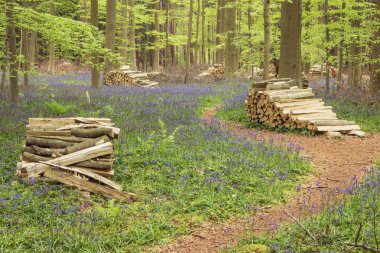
(190, 126)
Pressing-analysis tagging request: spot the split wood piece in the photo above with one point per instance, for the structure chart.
(29, 157)
(87, 144)
(285, 92)
(91, 132)
(333, 134)
(73, 158)
(62, 121)
(70, 180)
(44, 151)
(89, 174)
(21, 166)
(278, 98)
(48, 133)
(337, 128)
(332, 122)
(356, 133)
(93, 121)
(323, 109)
(64, 138)
(47, 143)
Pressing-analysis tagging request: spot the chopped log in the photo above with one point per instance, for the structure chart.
(91, 132)
(333, 122)
(278, 86)
(71, 180)
(356, 133)
(87, 144)
(47, 133)
(333, 134)
(95, 164)
(337, 128)
(73, 158)
(62, 121)
(278, 98)
(43, 151)
(65, 138)
(89, 174)
(47, 143)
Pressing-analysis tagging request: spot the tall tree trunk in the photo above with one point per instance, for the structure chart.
(110, 34)
(32, 50)
(341, 48)
(51, 66)
(203, 47)
(124, 32)
(173, 48)
(189, 36)
(167, 59)
(95, 74)
(156, 51)
(266, 38)
(290, 50)
(327, 48)
(24, 46)
(375, 67)
(4, 63)
(13, 74)
(230, 48)
(132, 34)
(354, 72)
(220, 30)
(250, 23)
(196, 45)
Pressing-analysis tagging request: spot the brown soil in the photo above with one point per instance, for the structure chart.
(336, 161)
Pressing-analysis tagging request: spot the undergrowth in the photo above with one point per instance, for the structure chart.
(350, 225)
(185, 171)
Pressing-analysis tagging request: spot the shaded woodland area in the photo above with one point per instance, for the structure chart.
(150, 35)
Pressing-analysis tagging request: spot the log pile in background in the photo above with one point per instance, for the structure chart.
(277, 84)
(127, 77)
(213, 73)
(317, 70)
(77, 152)
(281, 104)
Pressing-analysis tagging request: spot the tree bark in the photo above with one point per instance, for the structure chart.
(375, 68)
(220, 30)
(266, 38)
(203, 46)
(110, 34)
(341, 48)
(32, 50)
(95, 74)
(189, 36)
(124, 32)
(290, 50)
(4, 64)
(327, 31)
(196, 45)
(13, 73)
(230, 47)
(51, 66)
(156, 50)
(132, 34)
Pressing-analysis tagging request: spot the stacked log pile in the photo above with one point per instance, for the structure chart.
(281, 104)
(77, 152)
(213, 73)
(128, 77)
(277, 84)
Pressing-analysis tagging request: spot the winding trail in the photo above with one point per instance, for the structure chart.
(337, 163)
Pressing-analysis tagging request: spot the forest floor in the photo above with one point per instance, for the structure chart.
(337, 163)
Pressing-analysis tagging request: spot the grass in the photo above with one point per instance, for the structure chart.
(356, 218)
(185, 171)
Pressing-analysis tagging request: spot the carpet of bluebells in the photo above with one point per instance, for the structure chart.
(353, 220)
(351, 103)
(185, 171)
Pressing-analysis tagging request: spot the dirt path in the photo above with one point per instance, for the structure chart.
(337, 163)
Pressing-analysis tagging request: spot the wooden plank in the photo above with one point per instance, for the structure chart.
(337, 128)
(70, 180)
(73, 158)
(325, 109)
(332, 122)
(89, 174)
(278, 98)
(356, 133)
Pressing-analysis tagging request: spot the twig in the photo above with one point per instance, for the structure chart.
(331, 179)
(363, 246)
(302, 226)
(13, 128)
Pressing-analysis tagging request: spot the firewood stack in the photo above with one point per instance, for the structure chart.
(213, 73)
(77, 152)
(282, 104)
(127, 77)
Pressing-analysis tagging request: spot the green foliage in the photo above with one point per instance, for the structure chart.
(58, 109)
